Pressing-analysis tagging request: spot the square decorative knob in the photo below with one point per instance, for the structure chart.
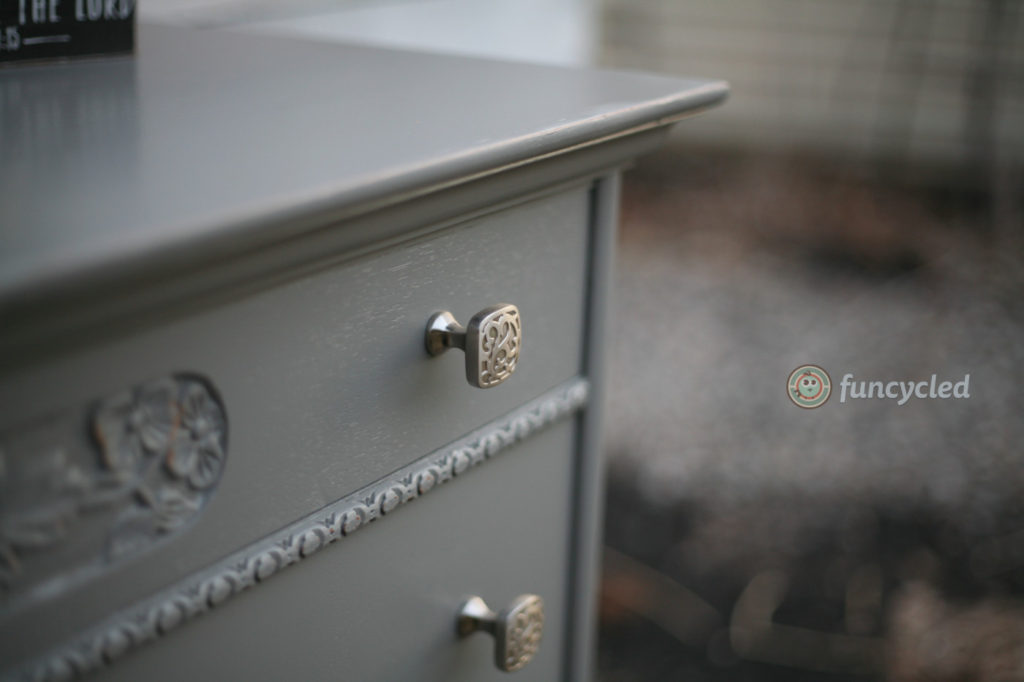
(517, 629)
(492, 341)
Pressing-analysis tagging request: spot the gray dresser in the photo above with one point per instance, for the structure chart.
(230, 447)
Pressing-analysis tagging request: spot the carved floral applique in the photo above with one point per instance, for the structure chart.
(135, 425)
(160, 448)
(178, 430)
(198, 450)
(44, 525)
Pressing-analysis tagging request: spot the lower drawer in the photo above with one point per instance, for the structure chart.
(381, 605)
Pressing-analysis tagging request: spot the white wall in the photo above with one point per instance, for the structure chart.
(548, 31)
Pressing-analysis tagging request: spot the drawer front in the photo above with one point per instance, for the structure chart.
(326, 387)
(381, 604)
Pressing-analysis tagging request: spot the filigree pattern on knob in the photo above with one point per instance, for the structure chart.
(517, 630)
(496, 334)
(492, 341)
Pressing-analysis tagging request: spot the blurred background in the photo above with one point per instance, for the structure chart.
(858, 204)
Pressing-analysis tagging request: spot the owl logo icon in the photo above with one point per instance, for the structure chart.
(809, 386)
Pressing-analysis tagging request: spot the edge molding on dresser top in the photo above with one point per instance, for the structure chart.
(176, 215)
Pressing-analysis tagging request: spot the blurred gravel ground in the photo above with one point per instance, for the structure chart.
(753, 540)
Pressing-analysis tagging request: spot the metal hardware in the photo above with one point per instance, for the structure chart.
(516, 630)
(492, 341)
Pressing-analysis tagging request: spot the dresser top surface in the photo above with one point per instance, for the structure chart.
(212, 137)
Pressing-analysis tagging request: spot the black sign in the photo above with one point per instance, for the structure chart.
(49, 29)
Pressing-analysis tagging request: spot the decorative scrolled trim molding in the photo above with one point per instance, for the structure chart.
(201, 592)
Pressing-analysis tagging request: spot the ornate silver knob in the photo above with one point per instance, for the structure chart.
(517, 629)
(491, 340)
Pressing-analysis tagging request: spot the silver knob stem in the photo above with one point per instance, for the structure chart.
(444, 332)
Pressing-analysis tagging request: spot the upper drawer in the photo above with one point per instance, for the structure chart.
(325, 381)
